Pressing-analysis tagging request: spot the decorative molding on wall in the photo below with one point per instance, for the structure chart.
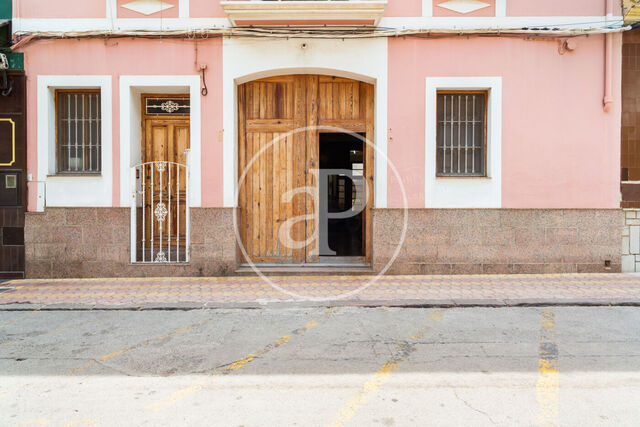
(463, 6)
(304, 10)
(147, 7)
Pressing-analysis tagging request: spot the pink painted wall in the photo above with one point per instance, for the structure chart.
(206, 9)
(556, 7)
(133, 57)
(404, 8)
(487, 11)
(559, 149)
(123, 12)
(54, 9)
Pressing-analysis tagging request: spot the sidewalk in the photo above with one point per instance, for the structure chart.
(248, 292)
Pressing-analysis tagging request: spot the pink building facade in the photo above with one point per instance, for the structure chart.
(531, 184)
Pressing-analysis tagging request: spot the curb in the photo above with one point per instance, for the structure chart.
(253, 305)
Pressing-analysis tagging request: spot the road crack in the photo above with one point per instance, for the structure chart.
(468, 405)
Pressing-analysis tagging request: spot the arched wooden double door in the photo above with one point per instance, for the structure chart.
(280, 120)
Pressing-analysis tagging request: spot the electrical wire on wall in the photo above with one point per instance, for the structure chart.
(343, 32)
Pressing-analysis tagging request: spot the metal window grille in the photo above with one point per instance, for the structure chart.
(78, 132)
(462, 133)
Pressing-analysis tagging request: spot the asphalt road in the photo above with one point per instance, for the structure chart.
(308, 367)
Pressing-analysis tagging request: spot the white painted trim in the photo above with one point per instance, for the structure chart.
(494, 22)
(427, 8)
(283, 10)
(501, 8)
(65, 190)
(465, 192)
(183, 8)
(112, 7)
(130, 89)
(189, 24)
(249, 59)
(116, 24)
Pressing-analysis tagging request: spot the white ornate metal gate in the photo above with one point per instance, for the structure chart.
(160, 213)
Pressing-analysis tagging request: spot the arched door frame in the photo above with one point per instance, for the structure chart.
(281, 104)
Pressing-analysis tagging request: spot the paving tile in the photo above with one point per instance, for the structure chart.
(189, 293)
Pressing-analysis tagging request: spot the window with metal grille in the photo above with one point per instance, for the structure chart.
(78, 131)
(462, 133)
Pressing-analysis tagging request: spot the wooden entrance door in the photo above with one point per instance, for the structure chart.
(165, 141)
(278, 153)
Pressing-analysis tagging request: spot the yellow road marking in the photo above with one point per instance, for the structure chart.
(24, 316)
(376, 381)
(155, 340)
(233, 366)
(548, 381)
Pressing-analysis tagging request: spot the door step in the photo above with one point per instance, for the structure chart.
(306, 270)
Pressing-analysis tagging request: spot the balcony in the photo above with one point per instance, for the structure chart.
(304, 12)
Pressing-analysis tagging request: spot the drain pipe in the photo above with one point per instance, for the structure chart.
(608, 70)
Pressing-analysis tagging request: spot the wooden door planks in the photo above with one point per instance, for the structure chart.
(281, 185)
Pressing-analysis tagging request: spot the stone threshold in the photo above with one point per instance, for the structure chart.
(306, 269)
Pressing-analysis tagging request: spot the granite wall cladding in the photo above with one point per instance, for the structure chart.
(94, 242)
(468, 241)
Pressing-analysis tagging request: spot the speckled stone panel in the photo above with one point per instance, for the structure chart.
(498, 241)
(94, 242)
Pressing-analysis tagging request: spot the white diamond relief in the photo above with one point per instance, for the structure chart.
(148, 7)
(463, 6)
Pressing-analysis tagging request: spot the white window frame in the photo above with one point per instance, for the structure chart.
(68, 190)
(130, 89)
(465, 192)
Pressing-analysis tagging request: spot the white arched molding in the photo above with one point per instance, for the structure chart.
(248, 59)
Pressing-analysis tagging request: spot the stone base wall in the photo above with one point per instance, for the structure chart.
(94, 242)
(478, 241)
(631, 241)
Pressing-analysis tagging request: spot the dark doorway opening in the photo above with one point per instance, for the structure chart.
(342, 196)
